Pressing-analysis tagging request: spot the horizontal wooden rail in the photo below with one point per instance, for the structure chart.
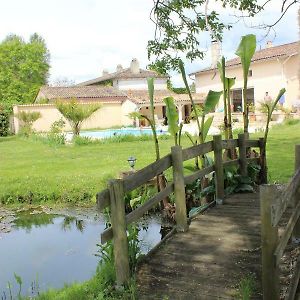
(197, 150)
(229, 144)
(252, 143)
(142, 176)
(287, 233)
(140, 211)
(198, 174)
(285, 198)
(273, 203)
(231, 162)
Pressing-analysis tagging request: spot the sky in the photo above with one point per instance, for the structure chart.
(85, 37)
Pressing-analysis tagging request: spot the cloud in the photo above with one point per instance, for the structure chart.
(86, 36)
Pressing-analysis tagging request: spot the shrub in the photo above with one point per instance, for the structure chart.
(291, 121)
(27, 119)
(76, 113)
(4, 123)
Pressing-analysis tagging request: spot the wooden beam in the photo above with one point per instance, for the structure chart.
(287, 233)
(179, 189)
(252, 143)
(198, 174)
(135, 180)
(296, 231)
(242, 153)
(269, 239)
(231, 162)
(198, 150)
(284, 199)
(140, 211)
(118, 223)
(219, 170)
(229, 144)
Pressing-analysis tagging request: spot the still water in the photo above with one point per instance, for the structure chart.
(50, 249)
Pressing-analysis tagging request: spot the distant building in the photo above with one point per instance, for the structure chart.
(120, 93)
(272, 68)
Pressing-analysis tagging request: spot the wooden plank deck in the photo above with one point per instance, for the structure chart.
(221, 247)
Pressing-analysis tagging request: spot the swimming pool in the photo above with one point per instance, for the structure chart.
(107, 133)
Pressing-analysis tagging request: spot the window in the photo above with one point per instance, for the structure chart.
(250, 73)
(237, 96)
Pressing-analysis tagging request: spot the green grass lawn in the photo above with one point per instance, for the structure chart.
(33, 170)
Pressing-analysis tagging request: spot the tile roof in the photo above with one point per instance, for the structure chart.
(262, 55)
(123, 74)
(142, 97)
(81, 92)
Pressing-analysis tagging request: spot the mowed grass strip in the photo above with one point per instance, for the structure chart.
(73, 173)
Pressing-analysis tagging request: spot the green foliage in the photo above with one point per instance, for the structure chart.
(56, 136)
(246, 288)
(178, 25)
(4, 121)
(27, 119)
(245, 51)
(172, 116)
(76, 113)
(24, 68)
(211, 101)
(291, 122)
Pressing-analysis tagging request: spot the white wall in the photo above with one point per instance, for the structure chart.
(267, 76)
(139, 84)
(127, 107)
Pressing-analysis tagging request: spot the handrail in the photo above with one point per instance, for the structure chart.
(284, 198)
(113, 196)
(274, 203)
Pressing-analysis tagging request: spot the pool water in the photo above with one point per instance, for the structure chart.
(120, 131)
(48, 250)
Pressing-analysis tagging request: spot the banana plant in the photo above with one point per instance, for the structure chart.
(245, 51)
(227, 85)
(151, 120)
(209, 105)
(269, 108)
(173, 118)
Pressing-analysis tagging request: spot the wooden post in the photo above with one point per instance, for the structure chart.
(219, 170)
(269, 241)
(242, 153)
(179, 189)
(296, 231)
(118, 223)
(263, 174)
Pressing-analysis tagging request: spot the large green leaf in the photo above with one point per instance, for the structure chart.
(172, 115)
(246, 51)
(150, 82)
(280, 94)
(221, 68)
(230, 82)
(206, 127)
(211, 101)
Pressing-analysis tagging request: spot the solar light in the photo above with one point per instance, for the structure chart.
(131, 160)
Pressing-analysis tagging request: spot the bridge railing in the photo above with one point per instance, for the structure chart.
(274, 200)
(113, 196)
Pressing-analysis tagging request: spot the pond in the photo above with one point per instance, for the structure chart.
(50, 249)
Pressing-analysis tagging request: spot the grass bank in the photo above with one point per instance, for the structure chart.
(32, 171)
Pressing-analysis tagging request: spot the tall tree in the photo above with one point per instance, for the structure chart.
(24, 68)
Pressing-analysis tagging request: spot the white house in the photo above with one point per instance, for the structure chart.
(272, 68)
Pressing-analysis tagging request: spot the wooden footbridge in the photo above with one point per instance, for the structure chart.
(244, 240)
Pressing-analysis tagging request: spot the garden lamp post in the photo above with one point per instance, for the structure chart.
(131, 160)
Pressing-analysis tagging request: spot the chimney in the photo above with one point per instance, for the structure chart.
(119, 68)
(105, 72)
(134, 66)
(269, 44)
(215, 53)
